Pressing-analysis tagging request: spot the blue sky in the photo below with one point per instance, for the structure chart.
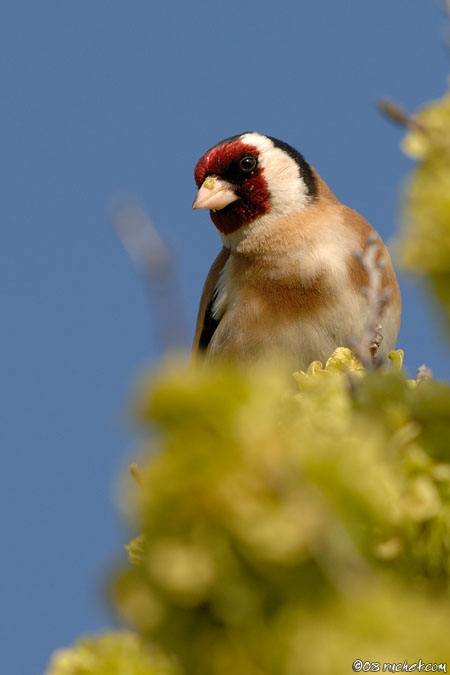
(103, 97)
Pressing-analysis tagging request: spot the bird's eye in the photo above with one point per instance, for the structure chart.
(247, 163)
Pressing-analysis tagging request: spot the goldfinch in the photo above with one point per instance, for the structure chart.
(286, 282)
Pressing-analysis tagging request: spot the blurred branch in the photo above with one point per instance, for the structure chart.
(149, 254)
(395, 113)
(446, 8)
(423, 373)
(367, 346)
(135, 472)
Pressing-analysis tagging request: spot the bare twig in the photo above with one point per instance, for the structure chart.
(423, 373)
(446, 9)
(375, 344)
(135, 471)
(394, 112)
(366, 347)
(146, 249)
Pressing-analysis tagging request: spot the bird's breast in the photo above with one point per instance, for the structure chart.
(263, 311)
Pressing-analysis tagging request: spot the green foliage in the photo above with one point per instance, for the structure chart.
(293, 525)
(114, 653)
(290, 532)
(424, 246)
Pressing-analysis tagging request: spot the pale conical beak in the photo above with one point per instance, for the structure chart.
(215, 194)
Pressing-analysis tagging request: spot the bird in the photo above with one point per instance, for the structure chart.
(287, 282)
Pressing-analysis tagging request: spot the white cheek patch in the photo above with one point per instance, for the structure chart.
(288, 191)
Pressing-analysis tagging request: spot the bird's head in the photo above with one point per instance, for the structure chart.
(246, 177)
